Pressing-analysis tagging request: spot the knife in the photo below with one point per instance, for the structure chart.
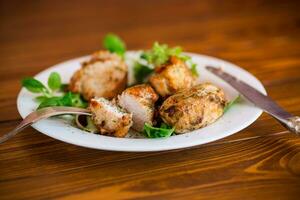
(262, 101)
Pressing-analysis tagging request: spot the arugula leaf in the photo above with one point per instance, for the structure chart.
(231, 103)
(34, 86)
(158, 132)
(141, 72)
(54, 81)
(114, 44)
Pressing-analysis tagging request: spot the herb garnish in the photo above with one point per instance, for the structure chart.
(231, 103)
(194, 69)
(157, 132)
(141, 72)
(49, 95)
(114, 44)
(54, 81)
(35, 86)
(160, 54)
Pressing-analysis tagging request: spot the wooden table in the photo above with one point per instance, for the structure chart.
(260, 162)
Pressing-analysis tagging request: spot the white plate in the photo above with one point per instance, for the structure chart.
(235, 119)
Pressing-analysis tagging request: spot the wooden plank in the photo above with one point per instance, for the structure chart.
(254, 164)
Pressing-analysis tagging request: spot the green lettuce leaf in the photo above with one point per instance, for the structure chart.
(158, 132)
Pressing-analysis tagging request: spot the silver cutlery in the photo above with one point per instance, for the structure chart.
(43, 114)
(262, 101)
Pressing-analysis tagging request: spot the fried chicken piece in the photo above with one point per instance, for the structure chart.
(104, 75)
(193, 108)
(172, 77)
(139, 100)
(109, 118)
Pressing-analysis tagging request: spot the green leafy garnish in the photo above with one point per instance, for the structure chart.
(231, 103)
(69, 99)
(114, 44)
(41, 98)
(141, 72)
(194, 69)
(161, 53)
(48, 96)
(64, 87)
(158, 132)
(54, 81)
(158, 55)
(76, 100)
(52, 101)
(34, 86)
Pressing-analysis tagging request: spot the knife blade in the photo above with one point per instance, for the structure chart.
(257, 98)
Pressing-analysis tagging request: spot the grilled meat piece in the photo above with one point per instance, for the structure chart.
(172, 77)
(139, 100)
(193, 108)
(104, 75)
(109, 118)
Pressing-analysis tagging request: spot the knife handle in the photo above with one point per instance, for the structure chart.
(293, 124)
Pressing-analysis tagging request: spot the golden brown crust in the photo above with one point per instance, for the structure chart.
(172, 77)
(144, 91)
(104, 75)
(75, 84)
(139, 100)
(193, 108)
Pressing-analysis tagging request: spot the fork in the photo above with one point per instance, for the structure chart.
(43, 114)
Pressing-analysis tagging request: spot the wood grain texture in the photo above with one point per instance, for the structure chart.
(260, 162)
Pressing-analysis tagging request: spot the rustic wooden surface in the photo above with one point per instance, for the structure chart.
(260, 162)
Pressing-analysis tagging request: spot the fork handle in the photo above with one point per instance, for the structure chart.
(16, 130)
(42, 114)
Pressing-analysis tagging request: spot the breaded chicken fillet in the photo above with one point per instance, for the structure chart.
(109, 118)
(139, 100)
(172, 77)
(104, 75)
